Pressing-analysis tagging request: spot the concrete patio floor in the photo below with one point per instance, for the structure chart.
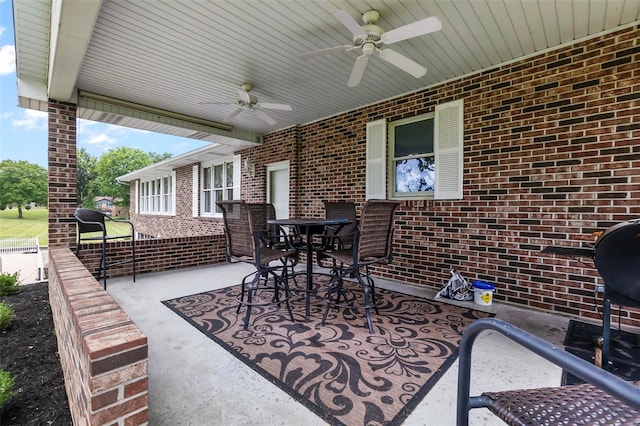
(194, 381)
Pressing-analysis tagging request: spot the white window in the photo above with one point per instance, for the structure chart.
(220, 181)
(425, 156)
(157, 196)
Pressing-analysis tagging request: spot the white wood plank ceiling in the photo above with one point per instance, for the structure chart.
(174, 55)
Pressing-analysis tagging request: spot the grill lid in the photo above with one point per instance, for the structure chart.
(617, 258)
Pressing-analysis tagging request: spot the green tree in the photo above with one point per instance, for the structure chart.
(156, 158)
(22, 183)
(114, 163)
(86, 175)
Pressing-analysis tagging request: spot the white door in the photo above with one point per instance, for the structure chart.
(278, 188)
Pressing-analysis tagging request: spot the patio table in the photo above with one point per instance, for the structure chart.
(309, 227)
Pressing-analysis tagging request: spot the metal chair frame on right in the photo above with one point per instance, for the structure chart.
(90, 221)
(372, 244)
(603, 398)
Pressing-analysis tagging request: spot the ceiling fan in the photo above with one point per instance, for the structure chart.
(371, 38)
(248, 102)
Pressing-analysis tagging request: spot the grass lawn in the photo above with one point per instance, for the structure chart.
(34, 223)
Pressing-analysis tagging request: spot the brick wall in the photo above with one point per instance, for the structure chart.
(183, 224)
(155, 255)
(62, 173)
(552, 154)
(103, 353)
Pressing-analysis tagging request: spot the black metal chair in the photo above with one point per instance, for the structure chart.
(246, 244)
(91, 222)
(604, 400)
(371, 244)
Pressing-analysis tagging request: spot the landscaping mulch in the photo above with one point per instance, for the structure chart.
(29, 351)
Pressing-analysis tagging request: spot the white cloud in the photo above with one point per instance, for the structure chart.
(6, 114)
(2, 29)
(31, 120)
(100, 139)
(7, 59)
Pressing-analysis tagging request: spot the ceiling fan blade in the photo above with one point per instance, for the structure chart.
(264, 117)
(345, 48)
(351, 24)
(244, 96)
(402, 62)
(216, 103)
(233, 115)
(415, 29)
(358, 70)
(266, 105)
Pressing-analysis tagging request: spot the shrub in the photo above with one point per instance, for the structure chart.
(9, 284)
(6, 315)
(6, 383)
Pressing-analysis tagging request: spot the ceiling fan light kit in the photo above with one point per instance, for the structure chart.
(372, 38)
(250, 103)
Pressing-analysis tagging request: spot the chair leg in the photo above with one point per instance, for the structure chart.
(287, 291)
(367, 302)
(331, 288)
(606, 332)
(252, 287)
(104, 263)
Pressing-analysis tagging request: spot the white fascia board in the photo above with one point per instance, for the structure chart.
(72, 23)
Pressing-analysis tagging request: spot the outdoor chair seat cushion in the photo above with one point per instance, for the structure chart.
(583, 404)
(268, 255)
(346, 257)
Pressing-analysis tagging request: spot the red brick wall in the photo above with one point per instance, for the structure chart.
(103, 353)
(155, 255)
(62, 173)
(551, 154)
(183, 224)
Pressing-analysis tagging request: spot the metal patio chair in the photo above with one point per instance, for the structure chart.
(93, 221)
(604, 400)
(244, 243)
(372, 244)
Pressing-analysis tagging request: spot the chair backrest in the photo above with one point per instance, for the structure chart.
(376, 229)
(261, 213)
(90, 221)
(238, 228)
(339, 210)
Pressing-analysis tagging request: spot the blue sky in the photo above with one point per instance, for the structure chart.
(23, 133)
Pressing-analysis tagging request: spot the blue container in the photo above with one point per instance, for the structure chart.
(483, 285)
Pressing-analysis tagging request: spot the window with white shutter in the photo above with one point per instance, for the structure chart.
(425, 156)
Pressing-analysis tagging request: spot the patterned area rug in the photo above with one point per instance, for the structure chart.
(339, 371)
(624, 350)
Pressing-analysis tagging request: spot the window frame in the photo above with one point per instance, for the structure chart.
(391, 169)
(153, 199)
(229, 187)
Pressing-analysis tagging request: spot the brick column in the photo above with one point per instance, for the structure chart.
(62, 182)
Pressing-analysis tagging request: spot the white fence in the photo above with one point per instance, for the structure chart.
(19, 245)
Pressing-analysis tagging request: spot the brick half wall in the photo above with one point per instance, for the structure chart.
(104, 355)
(156, 255)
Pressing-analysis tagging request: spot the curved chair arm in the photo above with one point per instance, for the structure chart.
(588, 372)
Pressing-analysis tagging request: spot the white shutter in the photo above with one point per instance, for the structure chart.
(136, 196)
(236, 176)
(449, 150)
(195, 190)
(376, 172)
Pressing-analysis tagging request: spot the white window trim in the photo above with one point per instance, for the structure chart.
(236, 160)
(140, 205)
(448, 150)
